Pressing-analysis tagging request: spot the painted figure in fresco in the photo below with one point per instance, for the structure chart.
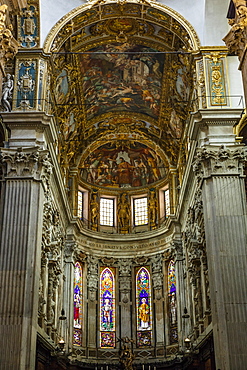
(139, 176)
(7, 92)
(123, 212)
(124, 172)
(152, 160)
(144, 314)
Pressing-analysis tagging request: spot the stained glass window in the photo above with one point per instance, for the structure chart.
(77, 337)
(140, 211)
(107, 307)
(80, 204)
(106, 212)
(143, 308)
(167, 202)
(172, 302)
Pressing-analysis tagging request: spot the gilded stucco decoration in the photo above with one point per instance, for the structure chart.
(218, 95)
(121, 78)
(8, 44)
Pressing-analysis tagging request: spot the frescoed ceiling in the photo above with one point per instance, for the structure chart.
(122, 72)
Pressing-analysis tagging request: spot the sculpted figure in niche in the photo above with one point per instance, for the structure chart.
(152, 207)
(123, 212)
(7, 93)
(144, 314)
(94, 209)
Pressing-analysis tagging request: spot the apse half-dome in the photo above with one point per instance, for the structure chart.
(133, 164)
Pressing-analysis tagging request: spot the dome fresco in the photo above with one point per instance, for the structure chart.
(124, 166)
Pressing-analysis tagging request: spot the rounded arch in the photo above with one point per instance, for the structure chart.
(64, 28)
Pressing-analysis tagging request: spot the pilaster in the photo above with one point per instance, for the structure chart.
(26, 174)
(92, 284)
(219, 171)
(125, 301)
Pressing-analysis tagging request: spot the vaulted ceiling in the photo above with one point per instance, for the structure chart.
(122, 81)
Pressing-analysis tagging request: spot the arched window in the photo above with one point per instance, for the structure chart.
(143, 308)
(107, 307)
(172, 303)
(77, 335)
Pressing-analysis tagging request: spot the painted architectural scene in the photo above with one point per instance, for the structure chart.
(132, 166)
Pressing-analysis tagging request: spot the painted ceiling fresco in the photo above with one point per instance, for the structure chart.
(122, 166)
(122, 77)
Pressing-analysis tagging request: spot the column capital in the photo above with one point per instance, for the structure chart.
(27, 163)
(211, 161)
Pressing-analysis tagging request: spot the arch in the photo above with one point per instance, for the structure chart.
(164, 10)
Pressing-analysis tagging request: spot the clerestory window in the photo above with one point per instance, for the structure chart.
(106, 212)
(140, 211)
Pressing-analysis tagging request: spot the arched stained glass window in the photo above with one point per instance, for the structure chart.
(172, 302)
(143, 308)
(107, 307)
(77, 335)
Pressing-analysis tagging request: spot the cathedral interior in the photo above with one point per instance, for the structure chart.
(123, 135)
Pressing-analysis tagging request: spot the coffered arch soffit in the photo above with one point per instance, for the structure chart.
(121, 69)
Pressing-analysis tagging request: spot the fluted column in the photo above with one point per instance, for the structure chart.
(219, 171)
(26, 176)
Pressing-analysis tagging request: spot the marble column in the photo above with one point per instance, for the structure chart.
(219, 170)
(25, 179)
